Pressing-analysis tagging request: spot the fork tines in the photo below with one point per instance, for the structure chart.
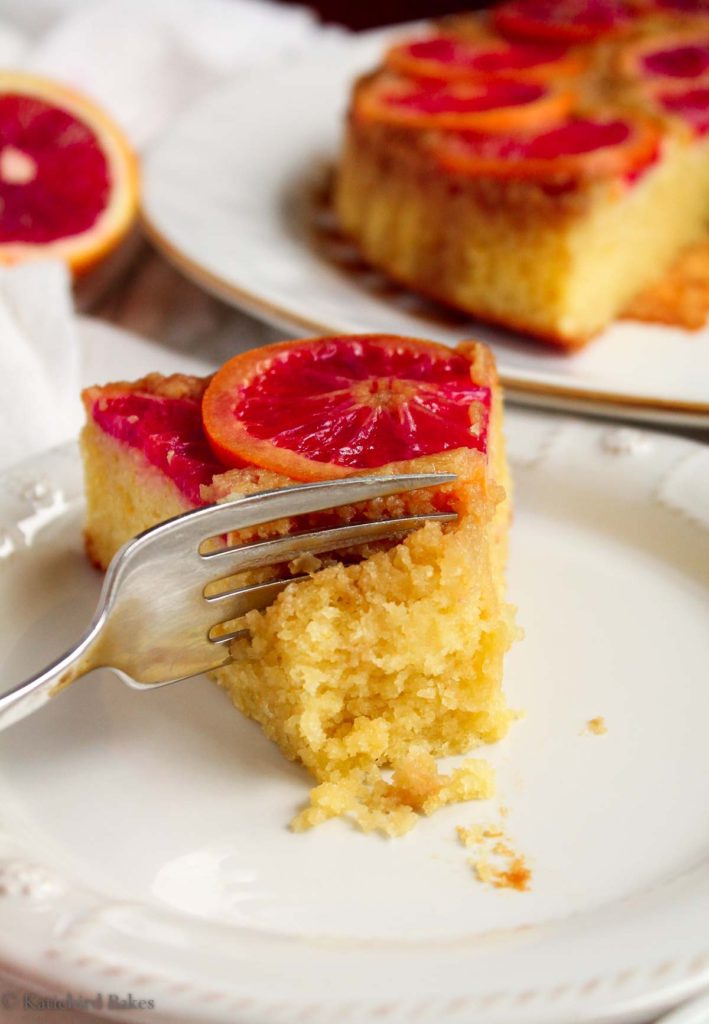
(287, 502)
(292, 501)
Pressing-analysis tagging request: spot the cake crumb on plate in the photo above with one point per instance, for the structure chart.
(500, 865)
(597, 726)
(515, 876)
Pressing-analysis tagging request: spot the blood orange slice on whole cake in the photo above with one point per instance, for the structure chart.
(489, 105)
(581, 147)
(570, 21)
(450, 58)
(681, 57)
(68, 178)
(690, 104)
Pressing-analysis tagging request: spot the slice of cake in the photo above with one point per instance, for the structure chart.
(388, 655)
(536, 172)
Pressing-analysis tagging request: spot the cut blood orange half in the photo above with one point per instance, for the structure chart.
(580, 148)
(328, 407)
(68, 178)
(683, 57)
(490, 105)
(569, 21)
(451, 58)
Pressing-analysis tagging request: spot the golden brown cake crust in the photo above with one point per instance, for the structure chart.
(176, 385)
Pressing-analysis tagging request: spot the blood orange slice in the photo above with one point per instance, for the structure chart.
(690, 104)
(450, 58)
(68, 179)
(681, 57)
(570, 21)
(690, 8)
(490, 105)
(327, 407)
(580, 148)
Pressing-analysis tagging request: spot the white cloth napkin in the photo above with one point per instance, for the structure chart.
(144, 60)
(39, 360)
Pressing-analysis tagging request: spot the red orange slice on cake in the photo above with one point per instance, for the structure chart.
(689, 8)
(581, 147)
(690, 104)
(680, 57)
(489, 105)
(569, 21)
(451, 58)
(331, 406)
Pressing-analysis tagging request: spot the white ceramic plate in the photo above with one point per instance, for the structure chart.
(143, 839)
(227, 196)
(694, 1013)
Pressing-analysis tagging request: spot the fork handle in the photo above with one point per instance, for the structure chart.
(34, 692)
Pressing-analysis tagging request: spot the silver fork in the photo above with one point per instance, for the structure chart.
(158, 618)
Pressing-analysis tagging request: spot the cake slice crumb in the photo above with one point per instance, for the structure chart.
(470, 836)
(483, 869)
(493, 832)
(515, 876)
(499, 864)
(597, 726)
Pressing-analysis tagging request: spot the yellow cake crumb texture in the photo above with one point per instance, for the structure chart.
(597, 726)
(384, 664)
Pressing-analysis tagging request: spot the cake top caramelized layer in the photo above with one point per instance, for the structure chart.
(543, 90)
(309, 409)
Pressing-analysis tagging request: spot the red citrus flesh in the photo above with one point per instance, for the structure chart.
(692, 105)
(328, 407)
(686, 6)
(493, 104)
(579, 148)
(54, 177)
(690, 60)
(560, 20)
(169, 433)
(449, 58)
(432, 99)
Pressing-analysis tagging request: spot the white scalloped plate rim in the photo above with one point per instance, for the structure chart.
(228, 215)
(618, 961)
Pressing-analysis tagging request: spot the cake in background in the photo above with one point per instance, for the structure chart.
(537, 165)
